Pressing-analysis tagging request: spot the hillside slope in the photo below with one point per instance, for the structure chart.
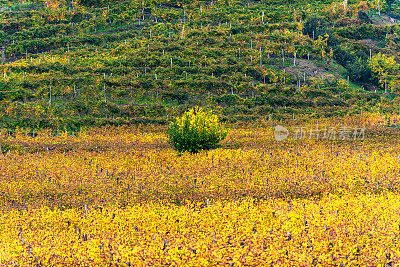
(67, 65)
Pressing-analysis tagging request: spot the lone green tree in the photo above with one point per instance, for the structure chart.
(196, 130)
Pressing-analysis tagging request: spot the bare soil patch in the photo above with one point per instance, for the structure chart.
(311, 70)
(383, 20)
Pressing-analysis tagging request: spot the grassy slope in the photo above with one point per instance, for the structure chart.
(69, 65)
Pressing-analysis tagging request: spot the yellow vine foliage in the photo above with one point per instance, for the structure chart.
(386, 70)
(122, 196)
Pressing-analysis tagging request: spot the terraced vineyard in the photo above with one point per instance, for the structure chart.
(69, 65)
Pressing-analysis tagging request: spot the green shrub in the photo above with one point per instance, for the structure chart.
(196, 130)
(359, 70)
(356, 63)
(315, 26)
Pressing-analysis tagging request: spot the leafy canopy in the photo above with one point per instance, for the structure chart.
(196, 130)
(385, 71)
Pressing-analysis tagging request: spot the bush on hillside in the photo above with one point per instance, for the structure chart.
(385, 71)
(356, 63)
(359, 70)
(315, 25)
(196, 130)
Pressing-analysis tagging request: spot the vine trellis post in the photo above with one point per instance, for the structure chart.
(50, 97)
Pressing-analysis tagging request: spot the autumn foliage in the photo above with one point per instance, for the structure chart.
(196, 130)
(123, 196)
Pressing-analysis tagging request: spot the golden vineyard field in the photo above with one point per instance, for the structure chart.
(123, 197)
